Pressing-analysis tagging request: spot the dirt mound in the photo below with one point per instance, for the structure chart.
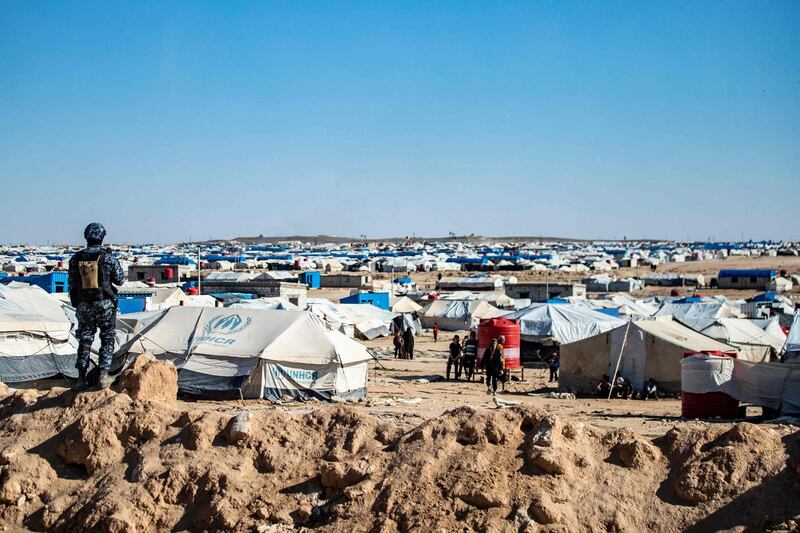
(149, 379)
(730, 463)
(118, 462)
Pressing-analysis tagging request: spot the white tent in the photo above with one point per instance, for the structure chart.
(791, 350)
(561, 323)
(275, 302)
(333, 316)
(369, 321)
(454, 315)
(772, 327)
(35, 339)
(405, 305)
(754, 343)
(256, 353)
(699, 315)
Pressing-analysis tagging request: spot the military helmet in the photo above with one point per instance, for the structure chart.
(94, 232)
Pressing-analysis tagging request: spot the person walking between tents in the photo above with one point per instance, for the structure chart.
(93, 272)
(553, 363)
(493, 363)
(435, 332)
(454, 358)
(408, 343)
(470, 355)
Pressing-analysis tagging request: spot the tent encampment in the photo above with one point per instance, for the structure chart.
(649, 347)
(255, 353)
(35, 339)
(561, 323)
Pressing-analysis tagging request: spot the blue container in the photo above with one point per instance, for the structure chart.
(378, 299)
(131, 304)
(310, 279)
(52, 282)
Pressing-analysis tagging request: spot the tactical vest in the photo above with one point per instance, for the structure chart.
(95, 282)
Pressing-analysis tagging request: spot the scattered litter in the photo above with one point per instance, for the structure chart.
(556, 396)
(413, 401)
(425, 379)
(502, 404)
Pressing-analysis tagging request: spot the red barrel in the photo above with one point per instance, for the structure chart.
(710, 404)
(168, 273)
(492, 328)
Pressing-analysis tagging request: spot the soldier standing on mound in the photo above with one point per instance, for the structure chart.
(92, 271)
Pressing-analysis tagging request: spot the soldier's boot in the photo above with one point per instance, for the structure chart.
(81, 384)
(105, 380)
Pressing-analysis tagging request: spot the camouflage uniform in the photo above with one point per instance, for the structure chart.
(100, 313)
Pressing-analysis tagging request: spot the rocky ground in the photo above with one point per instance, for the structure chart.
(138, 459)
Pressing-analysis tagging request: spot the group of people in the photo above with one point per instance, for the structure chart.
(403, 342)
(621, 387)
(463, 357)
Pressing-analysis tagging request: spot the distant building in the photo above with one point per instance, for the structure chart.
(133, 300)
(345, 281)
(378, 299)
(756, 279)
(539, 291)
(52, 282)
(309, 279)
(261, 288)
(161, 273)
(485, 283)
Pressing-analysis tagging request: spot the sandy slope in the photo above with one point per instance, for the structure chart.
(138, 460)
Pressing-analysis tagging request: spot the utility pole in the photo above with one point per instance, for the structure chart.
(199, 272)
(547, 283)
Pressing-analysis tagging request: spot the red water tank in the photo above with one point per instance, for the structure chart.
(709, 404)
(492, 328)
(168, 273)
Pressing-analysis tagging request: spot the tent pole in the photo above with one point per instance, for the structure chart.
(619, 360)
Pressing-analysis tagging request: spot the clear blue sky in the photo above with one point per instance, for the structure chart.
(167, 121)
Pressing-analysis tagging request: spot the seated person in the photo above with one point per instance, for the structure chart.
(619, 385)
(604, 387)
(627, 388)
(650, 390)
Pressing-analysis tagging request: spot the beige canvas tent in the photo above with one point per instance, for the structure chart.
(653, 348)
(405, 305)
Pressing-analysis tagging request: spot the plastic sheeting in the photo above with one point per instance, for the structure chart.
(772, 385)
(563, 323)
(699, 315)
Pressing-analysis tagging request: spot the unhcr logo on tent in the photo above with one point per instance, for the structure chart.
(304, 376)
(227, 325)
(223, 325)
